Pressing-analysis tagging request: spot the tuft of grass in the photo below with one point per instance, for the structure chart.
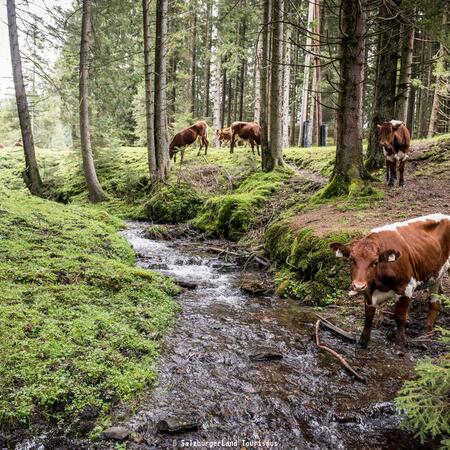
(316, 159)
(80, 325)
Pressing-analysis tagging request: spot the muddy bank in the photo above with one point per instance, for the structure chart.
(244, 369)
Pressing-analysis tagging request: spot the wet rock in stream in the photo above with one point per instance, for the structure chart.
(117, 433)
(266, 355)
(178, 424)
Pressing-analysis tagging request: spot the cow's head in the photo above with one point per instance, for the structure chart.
(386, 133)
(364, 257)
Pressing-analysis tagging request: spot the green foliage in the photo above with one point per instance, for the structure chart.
(79, 323)
(173, 204)
(425, 400)
(316, 159)
(157, 232)
(312, 272)
(231, 215)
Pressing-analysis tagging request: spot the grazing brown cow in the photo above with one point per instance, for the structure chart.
(188, 136)
(224, 135)
(248, 131)
(395, 139)
(18, 143)
(394, 261)
(2, 146)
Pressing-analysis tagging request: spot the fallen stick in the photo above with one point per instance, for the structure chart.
(341, 359)
(227, 252)
(336, 330)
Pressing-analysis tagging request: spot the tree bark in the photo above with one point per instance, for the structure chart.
(286, 70)
(207, 71)
(440, 84)
(161, 144)
(31, 174)
(264, 74)
(406, 59)
(275, 158)
(217, 98)
(258, 64)
(385, 90)
(306, 70)
(96, 193)
(149, 106)
(348, 170)
(224, 97)
(194, 66)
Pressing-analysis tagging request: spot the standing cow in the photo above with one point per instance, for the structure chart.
(395, 139)
(2, 146)
(248, 131)
(188, 136)
(394, 261)
(224, 135)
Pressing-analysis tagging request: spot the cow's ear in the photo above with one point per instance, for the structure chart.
(379, 126)
(389, 256)
(340, 250)
(396, 125)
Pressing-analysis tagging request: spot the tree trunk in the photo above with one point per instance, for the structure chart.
(306, 69)
(275, 158)
(31, 174)
(317, 63)
(224, 98)
(194, 67)
(217, 98)
(149, 107)
(286, 70)
(242, 71)
(264, 74)
(161, 144)
(348, 170)
(384, 102)
(207, 72)
(258, 64)
(406, 59)
(294, 98)
(440, 84)
(96, 193)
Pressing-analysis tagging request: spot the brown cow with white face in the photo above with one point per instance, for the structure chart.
(224, 135)
(188, 136)
(394, 261)
(248, 131)
(395, 139)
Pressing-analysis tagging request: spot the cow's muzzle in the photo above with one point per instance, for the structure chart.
(359, 286)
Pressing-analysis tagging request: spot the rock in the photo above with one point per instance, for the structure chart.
(256, 285)
(266, 355)
(137, 438)
(177, 424)
(186, 284)
(118, 433)
(3, 441)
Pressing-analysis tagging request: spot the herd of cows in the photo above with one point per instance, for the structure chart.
(392, 261)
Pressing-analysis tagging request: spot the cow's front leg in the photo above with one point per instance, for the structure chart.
(400, 315)
(392, 172)
(387, 169)
(434, 306)
(365, 335)
(401, 170)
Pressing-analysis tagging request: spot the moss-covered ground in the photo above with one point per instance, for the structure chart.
(80, 325)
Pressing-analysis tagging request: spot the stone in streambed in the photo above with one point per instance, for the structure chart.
(118, 433)
(178, 424)
(266, 355)
(186, 284)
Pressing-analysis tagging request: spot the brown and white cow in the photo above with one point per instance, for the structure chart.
(224, 135)
(394, 261)
(188, 136)
(395, 139)
(18, 143)
(248, 131)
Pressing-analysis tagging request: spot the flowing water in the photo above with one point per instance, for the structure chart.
(209, 380)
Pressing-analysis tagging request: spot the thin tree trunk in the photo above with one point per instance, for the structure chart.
(207, 73)
(243, 70)
(294, 99)
(224, 98)
(306, 70)
(349, 171)
(161, 144)
(286, 70)
(149, 107)
(217, 98)
(386, 79)
(258, 64)
(31, 174)
(96, 193)
(317, 94)
(404, 83)
(276, 83)
(194, 68)
(264, 74)
(439, 85)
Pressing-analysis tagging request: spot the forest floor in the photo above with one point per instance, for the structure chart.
(274, 215)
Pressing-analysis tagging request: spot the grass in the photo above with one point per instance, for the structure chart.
(316, 159)
(80, 325)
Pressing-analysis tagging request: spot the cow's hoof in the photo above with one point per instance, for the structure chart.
(399, 351)
(390, 183)
(401, 184)
(363, 343)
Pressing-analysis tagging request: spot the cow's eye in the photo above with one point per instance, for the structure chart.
(375, 264)
(352, 261)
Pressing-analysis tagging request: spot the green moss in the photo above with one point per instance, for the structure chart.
(156, 232)
(319, 275)
(231, 215)
(173, 204)
(316, 159)
(79, 323)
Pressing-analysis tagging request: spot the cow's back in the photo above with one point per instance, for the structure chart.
(402, 138)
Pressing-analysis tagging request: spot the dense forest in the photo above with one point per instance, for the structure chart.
(337, 96)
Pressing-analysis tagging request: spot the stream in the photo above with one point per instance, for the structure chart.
(239, 371)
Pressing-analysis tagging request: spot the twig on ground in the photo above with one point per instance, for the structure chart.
(341, 359)
(336, 330)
